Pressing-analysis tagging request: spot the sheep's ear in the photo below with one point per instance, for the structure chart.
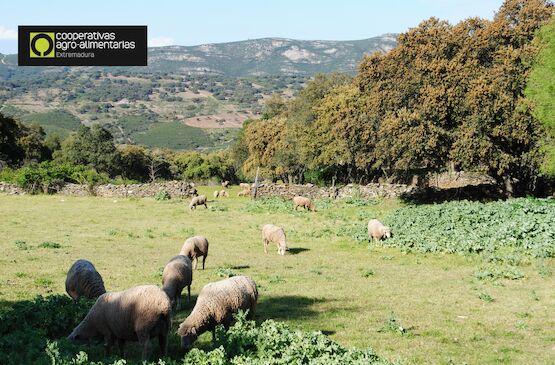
(194, 331)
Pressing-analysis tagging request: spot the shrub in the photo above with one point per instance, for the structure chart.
(524, 225)
(162, 195)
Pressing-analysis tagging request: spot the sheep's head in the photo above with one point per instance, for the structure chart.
(386, 232)
(84, 332)
(188, 336)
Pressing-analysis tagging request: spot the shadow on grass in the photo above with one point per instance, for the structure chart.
(297, 250)
(288, 307)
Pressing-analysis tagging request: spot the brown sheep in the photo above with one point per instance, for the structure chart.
(301, 201)
(377, 231)
(198, 200)
(194, 248)
(245, 186)
(273, 233)
(83, 280)
(223, 194)
(134, 314)
(216, 304)
(177, 275)
(244, 193)
(225, 184)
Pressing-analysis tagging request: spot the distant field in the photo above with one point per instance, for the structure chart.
(442, 310)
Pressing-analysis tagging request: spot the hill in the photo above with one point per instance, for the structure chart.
(188, 96)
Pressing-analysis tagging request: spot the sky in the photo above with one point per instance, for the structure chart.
(190, 23)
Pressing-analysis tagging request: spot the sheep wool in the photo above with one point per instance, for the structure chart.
(301, 201)
(273, 233)
(194, 248)
(377, 230)
(177, 275)
(135, 314)
(198, 200)
(216, 304)
(83, 280)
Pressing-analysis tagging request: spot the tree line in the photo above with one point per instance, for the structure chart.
(39, 162)
(447, 97)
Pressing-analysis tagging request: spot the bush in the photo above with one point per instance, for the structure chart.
(162, 195)
(30, 332)
(525, 225)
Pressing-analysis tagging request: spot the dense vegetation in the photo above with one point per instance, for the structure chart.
(33, 332)
(540, 90)
(518, 226)
(447, 97)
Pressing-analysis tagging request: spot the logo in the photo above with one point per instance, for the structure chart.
(82, 45)
(41, 45)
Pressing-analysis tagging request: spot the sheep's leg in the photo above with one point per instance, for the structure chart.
(178, 306)
(265, 246)
(189, 294)
(214, 334)
(203, 259)
(206, 206)
(144, 340)
(108, 342)
(121, 345)
(194, 263)
(163, 342)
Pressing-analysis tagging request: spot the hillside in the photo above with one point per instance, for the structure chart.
(188, 97)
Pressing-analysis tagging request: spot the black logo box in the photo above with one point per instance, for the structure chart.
(102, 57)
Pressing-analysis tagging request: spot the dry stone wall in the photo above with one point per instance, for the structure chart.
(175, 189)
(369, 191)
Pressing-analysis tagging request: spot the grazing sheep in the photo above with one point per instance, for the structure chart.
(216, 193)
(194, 248)
(135, 314)
(301, 201)
(245, 186)
(177, 275)
(225, 184)
(377, 231)
(216, 304)
(272, 233)
(244, 193)
(83, 280)
(198, 200)
(223, 194)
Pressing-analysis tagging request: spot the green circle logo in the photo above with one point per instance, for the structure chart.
(41, 45)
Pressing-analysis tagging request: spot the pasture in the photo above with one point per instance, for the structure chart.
(411, 307)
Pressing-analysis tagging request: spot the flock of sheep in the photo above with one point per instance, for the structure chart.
(143, 312)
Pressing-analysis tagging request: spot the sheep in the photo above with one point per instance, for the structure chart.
(134, 314)
(216, 304)
(273, 233)
(301, 201)
(377, 231)
(198, 200)
(177, 275)
(194, 248)
(83, 280)
(225, 184)
(223, 194)
(216, 193)
(244, 193)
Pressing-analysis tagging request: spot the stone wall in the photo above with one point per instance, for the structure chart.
(351, 190)
(175, 189)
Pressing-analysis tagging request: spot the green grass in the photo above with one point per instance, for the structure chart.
(174, 135)
(329, 281)
(57, 121)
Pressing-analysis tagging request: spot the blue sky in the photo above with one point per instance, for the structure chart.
(209, 21)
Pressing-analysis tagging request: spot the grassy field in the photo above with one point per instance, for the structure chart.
(410, 307)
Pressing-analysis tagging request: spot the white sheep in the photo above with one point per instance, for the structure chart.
(244, 193)
(198, 200)
(301, 201)
(178, 274)
(83, 280)
(223, 194)
(135, 314)
(273, 233)
(377, 231)
(194, 248)
(216, 304)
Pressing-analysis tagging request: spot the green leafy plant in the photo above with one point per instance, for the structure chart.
(162, 196)
(49, 244)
